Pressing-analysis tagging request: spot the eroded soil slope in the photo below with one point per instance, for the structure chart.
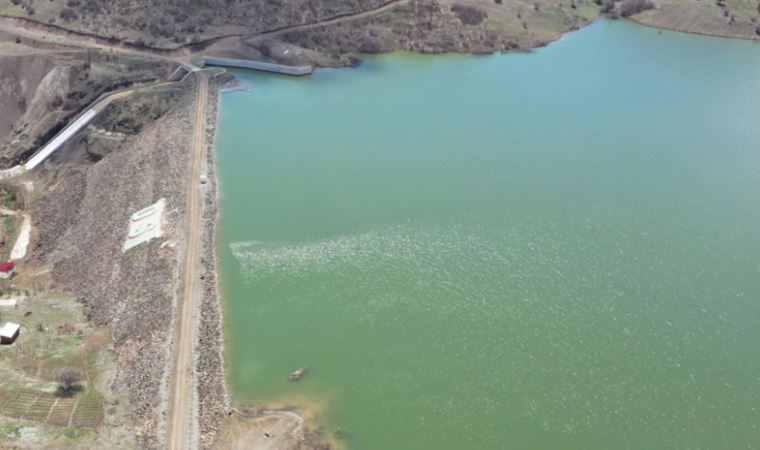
(41, 89)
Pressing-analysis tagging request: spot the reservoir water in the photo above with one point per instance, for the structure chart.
(558, 249)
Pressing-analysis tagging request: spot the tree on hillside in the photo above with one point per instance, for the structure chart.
(68, 382)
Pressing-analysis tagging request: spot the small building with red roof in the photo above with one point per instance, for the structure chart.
(7, 269)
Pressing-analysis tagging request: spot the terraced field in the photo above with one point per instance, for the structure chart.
(46, 370)
(53, 337)
(84, 411)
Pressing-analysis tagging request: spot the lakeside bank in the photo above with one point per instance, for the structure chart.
(214, 401)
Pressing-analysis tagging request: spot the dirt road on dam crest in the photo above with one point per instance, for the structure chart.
(182, 423)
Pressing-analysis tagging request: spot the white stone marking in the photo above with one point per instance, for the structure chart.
(145, 225)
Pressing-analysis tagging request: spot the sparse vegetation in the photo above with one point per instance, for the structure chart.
(166, 23)
(731, 18)
(9, 236)
(68, 14)
(130, 117)
(8, 200)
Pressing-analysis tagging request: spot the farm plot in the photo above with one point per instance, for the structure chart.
(84, 411)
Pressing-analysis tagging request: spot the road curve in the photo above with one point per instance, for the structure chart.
(182, 421)
(342, 18)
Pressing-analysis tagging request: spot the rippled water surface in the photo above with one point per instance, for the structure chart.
(531, 251)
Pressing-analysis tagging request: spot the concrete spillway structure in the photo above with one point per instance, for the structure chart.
(256, 65)
(60, 139)
(69, 131)
(74, 127)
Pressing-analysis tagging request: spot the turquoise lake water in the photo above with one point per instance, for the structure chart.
(558, 249)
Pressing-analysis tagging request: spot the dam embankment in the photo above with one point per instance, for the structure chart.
(214, 401)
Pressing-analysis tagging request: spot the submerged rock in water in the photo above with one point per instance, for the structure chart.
(298, 374)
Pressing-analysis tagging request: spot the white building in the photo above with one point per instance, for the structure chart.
(9, 332)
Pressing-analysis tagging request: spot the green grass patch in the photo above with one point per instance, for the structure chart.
(9, 200)
(74, 433)
(10, 236)
(89, 412)
(10, 430)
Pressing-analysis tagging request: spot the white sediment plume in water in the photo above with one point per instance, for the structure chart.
(402, 245)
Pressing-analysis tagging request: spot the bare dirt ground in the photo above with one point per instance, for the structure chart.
(269, 430)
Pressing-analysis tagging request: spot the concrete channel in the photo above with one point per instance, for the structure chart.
(255, 65)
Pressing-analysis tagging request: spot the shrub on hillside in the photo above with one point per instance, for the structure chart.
(68, 14)
(468, 15)
(608, 6)
(631, 7)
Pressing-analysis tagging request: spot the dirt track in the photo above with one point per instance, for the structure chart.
(339, 19)
(40, 31)
(182, 421)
